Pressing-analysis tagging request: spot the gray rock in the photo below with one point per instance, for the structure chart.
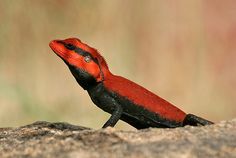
(59, 140)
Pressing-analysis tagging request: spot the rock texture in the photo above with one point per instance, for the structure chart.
(59, 140)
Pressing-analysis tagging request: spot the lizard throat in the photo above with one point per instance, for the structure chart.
(84, 79)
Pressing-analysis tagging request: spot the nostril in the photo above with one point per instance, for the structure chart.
(52, 43)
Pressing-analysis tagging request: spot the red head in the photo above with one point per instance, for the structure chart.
(85, 63)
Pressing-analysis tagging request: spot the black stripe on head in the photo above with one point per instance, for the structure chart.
(79, 51)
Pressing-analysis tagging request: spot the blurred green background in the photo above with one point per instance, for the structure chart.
(184, 51)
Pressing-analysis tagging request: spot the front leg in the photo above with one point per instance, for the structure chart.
(115, 116)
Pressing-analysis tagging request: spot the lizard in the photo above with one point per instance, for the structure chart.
(122, 98)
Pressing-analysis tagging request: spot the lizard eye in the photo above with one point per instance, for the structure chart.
(87, 59)
(70, 46)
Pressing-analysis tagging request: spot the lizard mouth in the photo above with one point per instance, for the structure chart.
(59, 49)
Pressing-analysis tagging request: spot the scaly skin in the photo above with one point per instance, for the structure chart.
(120, 97)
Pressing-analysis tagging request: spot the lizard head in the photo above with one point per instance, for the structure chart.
(86, 64)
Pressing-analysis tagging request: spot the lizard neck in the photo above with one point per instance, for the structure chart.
(87, 81)
(84, 79)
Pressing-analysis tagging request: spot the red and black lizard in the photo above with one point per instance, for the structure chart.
(120, 97)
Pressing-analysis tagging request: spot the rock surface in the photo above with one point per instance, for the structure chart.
(59, 140)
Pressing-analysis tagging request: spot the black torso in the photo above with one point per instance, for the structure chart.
(133, 114)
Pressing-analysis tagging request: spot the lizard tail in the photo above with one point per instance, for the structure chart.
(194, 120)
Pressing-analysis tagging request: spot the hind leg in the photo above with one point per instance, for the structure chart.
(194, 120)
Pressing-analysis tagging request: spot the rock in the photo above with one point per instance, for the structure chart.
(59, 140)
